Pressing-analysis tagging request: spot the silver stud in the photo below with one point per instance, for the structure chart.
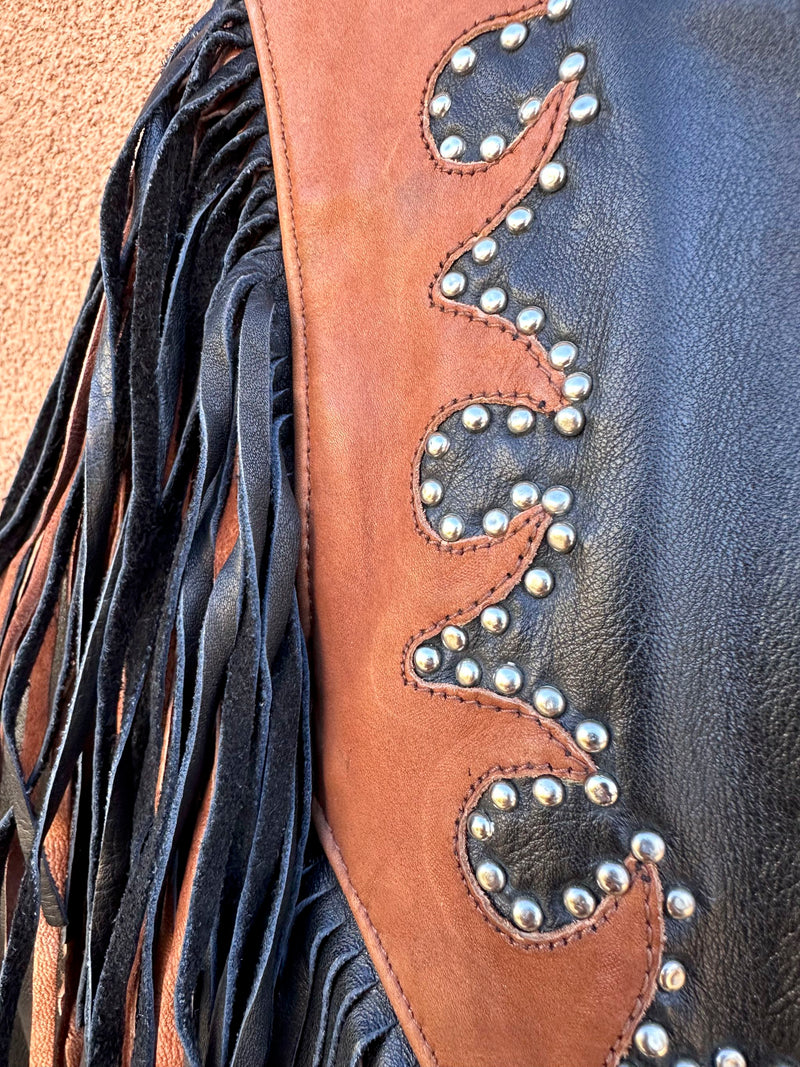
(484, 250)
(427, 659)
(519, 219)
(584, 109)
(513, 36)
(592, 736)
(454, 638)
(539, 581)
(548, 791)
(452, 147)
(480, 826)
(672, 976)
(648, 847)
(572, 67)
(561, 536)
(504, 796)
(613, 878)
(440, 105)
(558, 9)
(729, 1057)
(491, 877)
(552, 177)
(468, 672)
(527, 915)
(451, 527)
(508, 679)
(492, 147)
(453, 284)
(437, 445)
(686, 1063)
(464, 59)
(652, 1040)
(529, 110)
(524, 495)
(530, 320)
(520, 420)
(557, 500)
(577, 386)
(494, 619)
(680, 903)
(569, 421)
(495, 522)
(431, 491)
(475, 418)
(579, 901)
(601, 790)
(549, 701)
(562, 355)
(493, 300)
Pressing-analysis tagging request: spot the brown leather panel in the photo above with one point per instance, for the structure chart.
(371, 217)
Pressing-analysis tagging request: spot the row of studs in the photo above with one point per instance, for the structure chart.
(652, 1041)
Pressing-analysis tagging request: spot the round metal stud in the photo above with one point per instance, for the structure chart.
(508, 679)
(562, 355)
(495, 522)
(672, 976)
(524, 495)
(453, 284)
(468, 672)
(451, 528)
(601, 790)
(530, 320)
(561, 536)
(680, 903)
(492, 147)
(527, 915)
(493, 300)
(431, 491)
(475, 418)
(548, 791)
(592, 736)
(454, 638)
(557, 500)
(520, 420)
(491, 877)
(440, 105)
(584, 109)
(539, 581)
(513, 36)
(519, 219)
(613, 878)
(529, 110)
(572, 67)
(427, 659)
(558, 9)
(437, 445)
(729, 1057)
(577, 386)
(549, 701)
(552, 177)
(652, 1040)
(579, 901)
(648, 846)
(569, 421)
(504, 796)
(480, 826)
(485, 250)
(494, 619)
(686, 1063)
(452, 147)
(464, 59)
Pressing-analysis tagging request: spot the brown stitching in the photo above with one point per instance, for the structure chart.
(289, 189)
(377, 936)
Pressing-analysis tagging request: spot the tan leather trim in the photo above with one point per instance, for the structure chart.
(370, 218)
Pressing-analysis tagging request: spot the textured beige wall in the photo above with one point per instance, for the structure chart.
(74, 75)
